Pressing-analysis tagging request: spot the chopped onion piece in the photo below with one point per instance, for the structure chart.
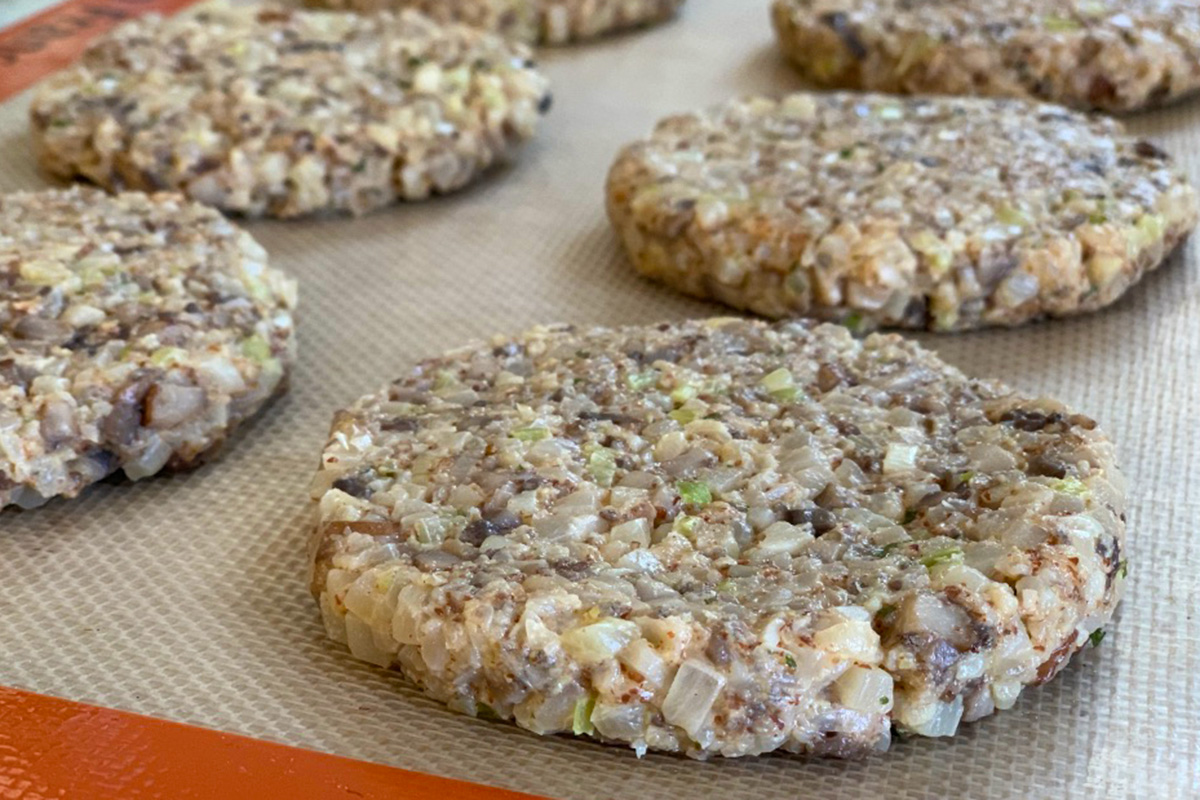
(362, 642)
(900, 458)
(622, 722)
(600, 641)
(864, 689)
(692, 695)
(153, 458)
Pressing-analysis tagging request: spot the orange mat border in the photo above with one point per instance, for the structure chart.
(54, 748)
(49, 40)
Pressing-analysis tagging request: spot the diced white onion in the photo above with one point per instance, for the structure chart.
(153, 458)
(600, 641)
(943, 721)
(900, 458)
(692, 694)
(362, 642)
(624, 722)
(639, 657)
(865, 689)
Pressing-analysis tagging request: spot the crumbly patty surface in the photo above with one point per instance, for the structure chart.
(716, 537)
(549, 21)
(269, 110)
(940, 213)
(136, 331)
(1110, 55)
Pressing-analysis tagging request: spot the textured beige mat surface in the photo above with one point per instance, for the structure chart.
(185, 597)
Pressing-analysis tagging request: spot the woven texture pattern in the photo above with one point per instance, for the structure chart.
(185, 597)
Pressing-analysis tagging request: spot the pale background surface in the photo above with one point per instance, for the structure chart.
(185, 597)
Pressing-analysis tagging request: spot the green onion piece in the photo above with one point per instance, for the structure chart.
(445, 380)
(781, 385)
(256, 348)
(533, 434)
(855, 322)
(684, 393)
(942, 556)
(683, 415)
(582, 722)
(685, 524)
(791, 662)
(642, 381)
(1057, 24)
(1071, 486)
(1097, 637)
(1123, 569)
(484, 711)
(883, 701)
(167, 355)
(602, 464)
(695, 492)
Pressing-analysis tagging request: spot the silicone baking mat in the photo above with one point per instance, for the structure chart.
(185, 597)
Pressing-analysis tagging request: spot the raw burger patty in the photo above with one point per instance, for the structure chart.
(136, 331)
(943, 213)
(1110, 55)
(718, 537)
(269, 110)
(549, 21)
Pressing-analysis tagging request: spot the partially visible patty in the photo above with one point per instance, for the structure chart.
(1109, 55)
(939, 213)
(548, 21)
(716, 537)
(136, 331)
(263, 109)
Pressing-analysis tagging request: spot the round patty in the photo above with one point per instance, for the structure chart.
(1111, 55)
(940, 213)
(549, 21)
(136, 331)
(267, 110)
(716, 537)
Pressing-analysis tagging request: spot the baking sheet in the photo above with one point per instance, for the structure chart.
(185, 597)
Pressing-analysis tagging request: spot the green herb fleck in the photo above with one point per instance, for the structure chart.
(845, 153)
(683, 415)
(942, 556)
(883, 701)
(532, 434)
(695, 492)
(1057, 24)
(1071, 486)
(1097, 637)
(854, 321)
(885, 611)
(582, 722)
(684, 393)
(910, 516)
(360, 167)
(484, 711)
(256, 348)
(1123, 569)
(642, 381)
(791, 662)
(602, 464)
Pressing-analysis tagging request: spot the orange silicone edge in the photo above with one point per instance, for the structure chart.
(55, 748)
(49, 40)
